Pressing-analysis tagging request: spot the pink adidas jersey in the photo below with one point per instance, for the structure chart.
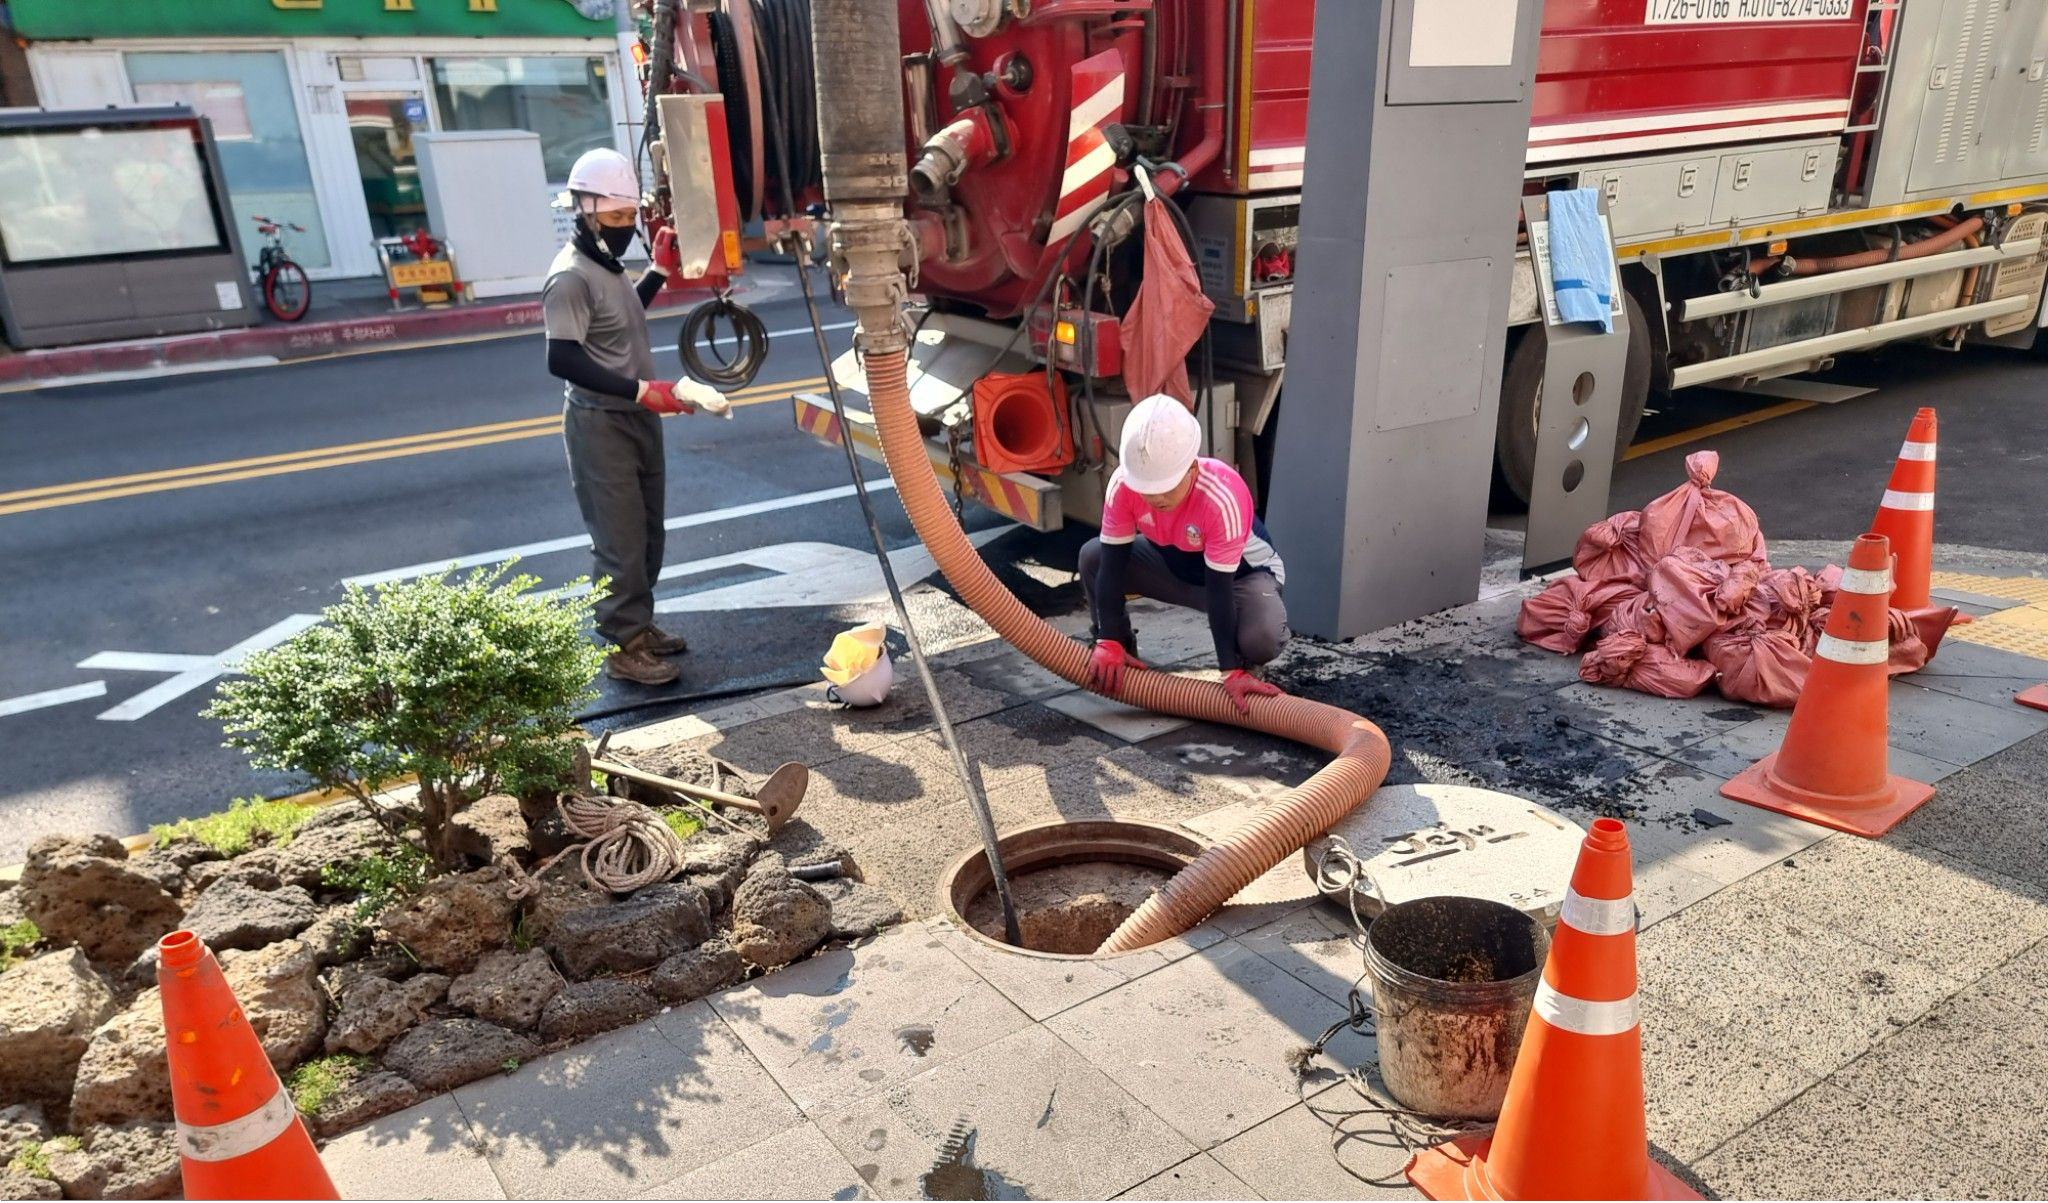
(1214, 520)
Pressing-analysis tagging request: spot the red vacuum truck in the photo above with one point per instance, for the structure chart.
(1786, 181)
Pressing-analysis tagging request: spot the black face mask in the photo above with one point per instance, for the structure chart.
(617, 239)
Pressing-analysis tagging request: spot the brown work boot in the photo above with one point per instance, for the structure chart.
(635, 663)
(661, 643)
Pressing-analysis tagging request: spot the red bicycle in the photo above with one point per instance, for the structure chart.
(287, 291)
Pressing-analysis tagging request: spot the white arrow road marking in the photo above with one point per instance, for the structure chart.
(807, 574)
(52, 697)
(189, 672)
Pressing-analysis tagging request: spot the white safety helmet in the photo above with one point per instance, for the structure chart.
(870, 687)
(858, 667)
(602, 180)
(1160, 441)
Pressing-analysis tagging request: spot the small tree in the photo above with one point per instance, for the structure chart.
(458, 683)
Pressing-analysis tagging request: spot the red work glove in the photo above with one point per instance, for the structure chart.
(660, 397)
(1106, 665)
(1243, 687)
(666, 258)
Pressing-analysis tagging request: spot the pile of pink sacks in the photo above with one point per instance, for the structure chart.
(1679, 595)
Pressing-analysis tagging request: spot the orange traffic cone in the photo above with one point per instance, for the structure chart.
(2037, 697)
(1572, 1125)
(1831, 769)
(1906, 515)
(239, 1137)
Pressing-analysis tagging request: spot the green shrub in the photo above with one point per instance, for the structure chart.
(682, 822)
(456, 683)
(244, 824)
(31, 1160)
(379, 880)
(15, 940)
(321, 1078)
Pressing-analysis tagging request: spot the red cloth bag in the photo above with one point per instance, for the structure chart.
(1628, 660)
(1167, 317)
(1636, 612)
(1685, 585)
(1761, 665)
(1561, 618)
(1608, 550)
(1696, 514)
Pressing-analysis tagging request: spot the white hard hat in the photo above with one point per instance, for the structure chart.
(1161, 439)
(605, 175)
(869, 688)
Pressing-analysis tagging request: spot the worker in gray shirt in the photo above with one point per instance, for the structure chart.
(598, 345)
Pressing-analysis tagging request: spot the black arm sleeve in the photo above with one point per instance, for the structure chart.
(650, 284)
(1223, 617)
(1112, 621)
(568, 360)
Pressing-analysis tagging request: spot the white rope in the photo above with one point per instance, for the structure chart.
(630, 846)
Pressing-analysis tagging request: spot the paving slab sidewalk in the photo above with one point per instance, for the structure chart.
(1824, 1016)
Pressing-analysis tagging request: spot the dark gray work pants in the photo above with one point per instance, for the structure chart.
(1261, 613)
(617, 467)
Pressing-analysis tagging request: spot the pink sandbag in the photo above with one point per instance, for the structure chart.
(1764, 666)
(1627, 659)
(1637, 612)
(1608, 550)
(1561, 618)
(1696, 514)
(1790, 596)
(1731, 600)
(1684, 586)
(1915, 636)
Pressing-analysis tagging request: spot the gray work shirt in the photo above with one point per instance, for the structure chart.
(583, 302)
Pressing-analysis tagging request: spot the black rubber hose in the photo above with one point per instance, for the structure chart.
(700, 344)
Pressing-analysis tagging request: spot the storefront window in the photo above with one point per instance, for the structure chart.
(563, 99)
(248, 97)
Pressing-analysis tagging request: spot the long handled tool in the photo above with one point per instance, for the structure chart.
(775, 802)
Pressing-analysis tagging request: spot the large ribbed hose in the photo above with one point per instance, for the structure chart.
(1275, 833)
(855, 49)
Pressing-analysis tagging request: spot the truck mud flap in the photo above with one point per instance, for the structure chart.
(1033, 501)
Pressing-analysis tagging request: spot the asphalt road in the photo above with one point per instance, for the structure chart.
(424, 457)
(150, 527)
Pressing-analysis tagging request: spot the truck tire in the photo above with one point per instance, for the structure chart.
(1521, 401)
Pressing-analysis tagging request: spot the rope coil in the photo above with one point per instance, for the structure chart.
(630, 846)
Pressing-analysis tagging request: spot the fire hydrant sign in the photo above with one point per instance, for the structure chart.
(1744, 12)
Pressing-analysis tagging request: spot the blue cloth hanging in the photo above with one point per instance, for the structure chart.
(1581, 261)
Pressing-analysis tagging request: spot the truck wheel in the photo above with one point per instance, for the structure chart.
(1521, 406)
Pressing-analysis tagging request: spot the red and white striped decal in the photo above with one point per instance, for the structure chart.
(1098, 100)
(1549, 143)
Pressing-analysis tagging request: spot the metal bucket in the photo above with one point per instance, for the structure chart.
(1452, 982)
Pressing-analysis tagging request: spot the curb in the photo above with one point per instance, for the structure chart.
(286, 343)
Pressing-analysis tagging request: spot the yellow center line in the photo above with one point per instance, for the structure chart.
(52, 497)
(1711, 429)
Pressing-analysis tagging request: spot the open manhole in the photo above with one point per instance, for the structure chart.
(1073, 883)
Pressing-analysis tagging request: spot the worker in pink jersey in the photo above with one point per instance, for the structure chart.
(1202, 547)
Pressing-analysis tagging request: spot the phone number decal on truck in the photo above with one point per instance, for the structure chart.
(1732, 12)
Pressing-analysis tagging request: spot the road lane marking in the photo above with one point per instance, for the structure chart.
(572, 542)
(52, 697)
(187, 672)
(1708, 431)
(166, 480)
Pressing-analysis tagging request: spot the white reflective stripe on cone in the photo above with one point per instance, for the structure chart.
(1870, 582)
(1895, 500)
(1598, 916)
(1584, 1017)
(1919, 451)
(238, 1137)
(1851, 651)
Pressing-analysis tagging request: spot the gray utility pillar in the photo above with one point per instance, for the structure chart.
(1418, 122)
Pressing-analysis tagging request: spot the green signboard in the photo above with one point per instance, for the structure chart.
(57, 19)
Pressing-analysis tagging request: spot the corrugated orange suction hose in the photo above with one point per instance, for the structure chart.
(1276, 832)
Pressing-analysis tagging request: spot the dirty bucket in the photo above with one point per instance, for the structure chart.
(1452, 982)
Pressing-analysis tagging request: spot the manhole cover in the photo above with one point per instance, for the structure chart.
(1418, 841)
